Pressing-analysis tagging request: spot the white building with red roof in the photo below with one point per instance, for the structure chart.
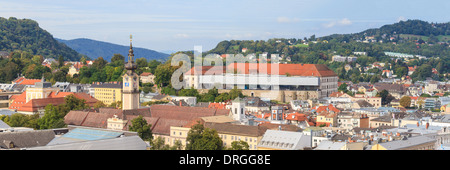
(256, 76)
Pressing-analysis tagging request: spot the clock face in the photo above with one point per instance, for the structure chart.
(127, 84)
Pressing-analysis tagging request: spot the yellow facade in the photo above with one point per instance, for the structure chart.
(227, 139)
(108, 95)
(39, 92)
(326, 119)
(180, 133)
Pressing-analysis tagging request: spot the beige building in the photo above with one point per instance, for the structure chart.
(116, 123)
(147, 77)
(40, 90)
(230, 133)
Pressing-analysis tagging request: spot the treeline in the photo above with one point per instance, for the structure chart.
(26, 35)
(30, 66)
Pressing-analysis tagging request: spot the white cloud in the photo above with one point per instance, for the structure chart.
(345, 21)
(342, 22)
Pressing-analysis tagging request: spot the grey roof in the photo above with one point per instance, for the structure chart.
(3, 125)
(404, 144)
(330, 145)
(255, 102)
(24, 139)
(117, 85)
(444, 118)
(121, 143)
(284, 140)
(363, 103)
(6, 112)
(18, 87)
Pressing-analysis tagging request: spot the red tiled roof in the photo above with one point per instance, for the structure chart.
(201, 70)
(296, 116)
(185, 112)
(29, 81)
(329, 108)
(35, 104)
(75, 117)
(18, 101)
(55, 98)
(146, 74)
(316, 70)
(217, 105)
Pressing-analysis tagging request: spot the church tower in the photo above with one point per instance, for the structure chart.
(130, 83)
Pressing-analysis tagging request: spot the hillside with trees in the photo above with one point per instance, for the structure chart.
(26, 35)
(94, 49)
(410, 37)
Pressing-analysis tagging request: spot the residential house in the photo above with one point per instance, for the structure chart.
(147, 77)
(299, 104)
(255, 104)
(396, 90)
(230, 133)
(352, 120)
(388, 73)
(327, 119)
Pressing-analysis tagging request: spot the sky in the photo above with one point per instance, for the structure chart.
(179, 25)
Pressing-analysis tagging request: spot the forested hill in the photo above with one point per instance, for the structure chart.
(94, 49)
(403, 30)
(26, 35)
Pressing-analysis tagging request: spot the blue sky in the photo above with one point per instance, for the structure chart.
(173, 25)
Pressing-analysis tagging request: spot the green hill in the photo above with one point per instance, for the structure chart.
(26, 35)
(94, 49)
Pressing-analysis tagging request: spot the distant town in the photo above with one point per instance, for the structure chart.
(312, 109)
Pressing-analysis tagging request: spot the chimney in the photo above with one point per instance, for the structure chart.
(417, 124)
(427, 125)
(180, 102)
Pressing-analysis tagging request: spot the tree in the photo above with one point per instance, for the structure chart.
(53, 118)
(343, 87)
(201, 138)
(235, 92)
(163, 74)
(143, 129)
(386, 98)
(117, 57)
(22, 120)
(239, 145)
(73, 103)
(99, 104)
(83, 60)
(61, 61)
(405, 101)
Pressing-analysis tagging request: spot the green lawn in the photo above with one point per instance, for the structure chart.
(301, 45)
